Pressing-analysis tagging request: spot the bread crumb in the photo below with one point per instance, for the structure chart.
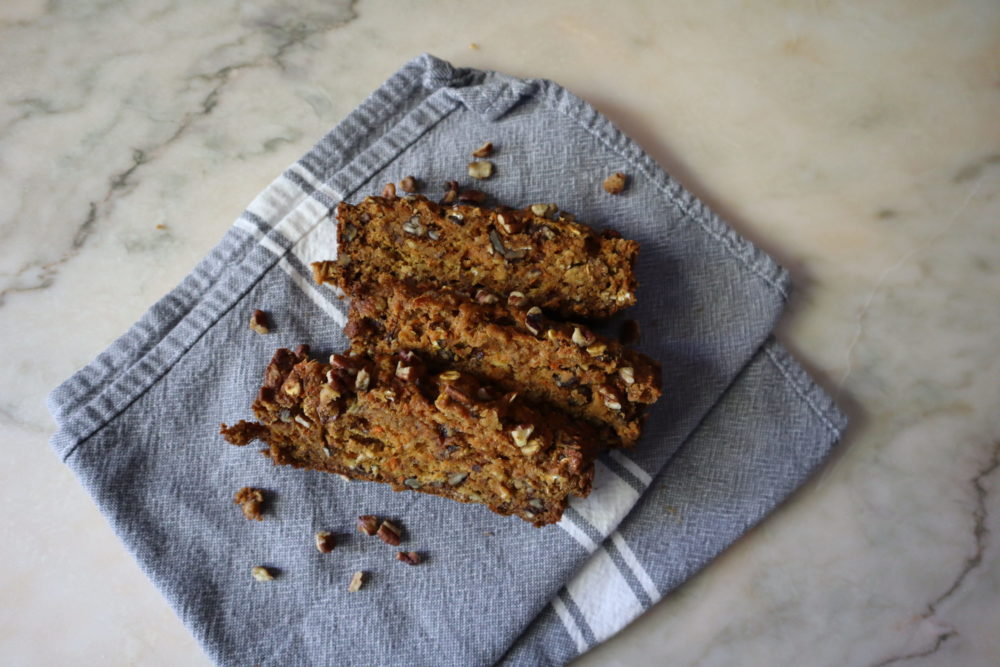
(251, 501)
(615, 183)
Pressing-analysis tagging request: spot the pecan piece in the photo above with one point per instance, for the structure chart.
(583, 337)
(409, 557)
(408, 184)
(259, 322)
(612, 399)
(486, 297)
(509, 223)
(325, 542)
(362, 380)
(473, 196)
(543, 210)
(357, 581)
(388, 532)
(481, 169)
(520, 434)
(450, 193)
(534, 321)
(516, 299)
(389, 191)
(484, 151)
(368, 524)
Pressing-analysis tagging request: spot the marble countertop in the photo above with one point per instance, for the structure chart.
(858, 143)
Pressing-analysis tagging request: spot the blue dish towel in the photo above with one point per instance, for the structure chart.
(740, 425)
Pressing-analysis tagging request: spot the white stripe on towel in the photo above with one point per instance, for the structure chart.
(633, 564)
(571, 628)
(631, 466)
(603, 596)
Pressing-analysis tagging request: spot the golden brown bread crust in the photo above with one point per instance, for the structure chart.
(566, 365)
(388, 419)
(562, 266)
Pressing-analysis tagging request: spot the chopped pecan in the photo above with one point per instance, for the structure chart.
(389, 191)
(483, 151)
(611, 397)
(292, 386)
(389, 533)
(357, 581)
(259, 322)
(327, 395)
(534, 321)
(521, 433)
(583, 337)
(510, 223)
(325, 541)
(408, 184)
(543, 210)
(362, 380)
(472, 196)
(342, 362)
(481, 169)
(450, 193)
(406, 373)
(486, 297)
(516, 299)
(409, 557)
(368, 524)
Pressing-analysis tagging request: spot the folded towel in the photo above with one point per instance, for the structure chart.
(739, 427)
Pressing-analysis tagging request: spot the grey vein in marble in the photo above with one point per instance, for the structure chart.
(282, 27)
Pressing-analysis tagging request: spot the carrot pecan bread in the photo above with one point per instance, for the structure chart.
(387, 419)
(518, 348)
(562, 266)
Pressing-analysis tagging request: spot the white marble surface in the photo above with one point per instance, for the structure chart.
(859, 143)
